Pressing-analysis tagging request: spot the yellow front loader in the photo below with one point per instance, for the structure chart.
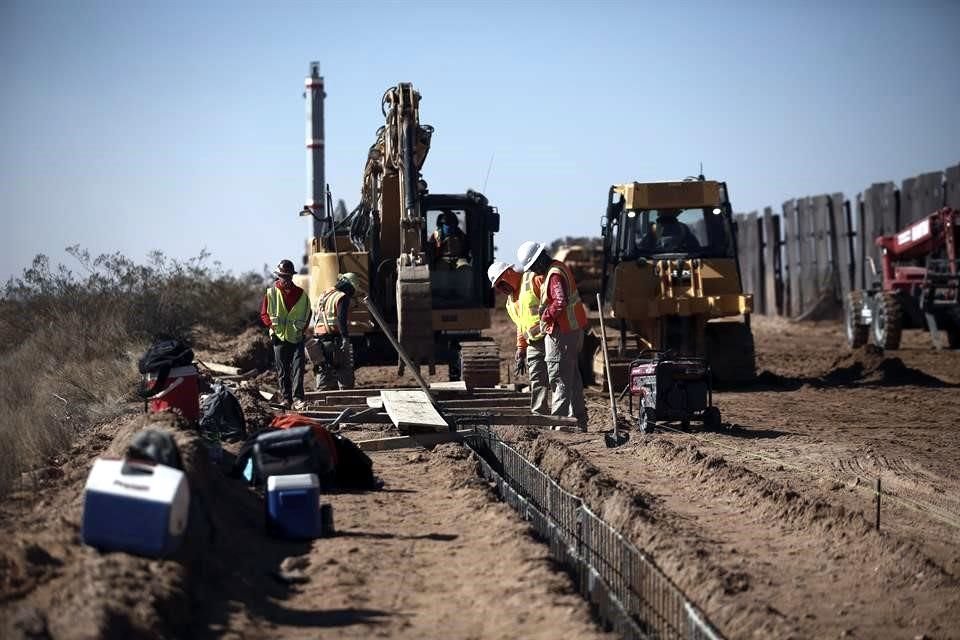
(671, 276)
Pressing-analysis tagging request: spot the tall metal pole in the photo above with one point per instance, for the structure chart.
(316, 180)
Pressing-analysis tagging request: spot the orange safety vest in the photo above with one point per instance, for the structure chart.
(574, 316)
(327, 312)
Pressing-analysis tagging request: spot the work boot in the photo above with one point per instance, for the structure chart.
(285, 403)
(299, 405)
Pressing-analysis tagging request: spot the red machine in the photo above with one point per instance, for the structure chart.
(920, 287)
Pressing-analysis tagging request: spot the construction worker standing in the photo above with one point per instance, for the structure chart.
(563, 318)
(285, 310)
(334, 365)
(523, 304)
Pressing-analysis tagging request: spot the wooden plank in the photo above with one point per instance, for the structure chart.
(220, 368)
(860, 243)
(791, 253)
(771, 257)
(842, 243)
(530, 420)
(419, 441)
(760, 273)
(412, 408)
(440, 392)
(827, 275)
(458, 385)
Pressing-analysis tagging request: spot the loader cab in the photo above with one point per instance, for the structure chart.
(690, 219)
(459, 246)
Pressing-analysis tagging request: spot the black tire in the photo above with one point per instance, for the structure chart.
(711, 419)
(644, 424)
(887, 321)
(731, 352)
(857, 333)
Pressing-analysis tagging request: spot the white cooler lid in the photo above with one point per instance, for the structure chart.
(293, 481)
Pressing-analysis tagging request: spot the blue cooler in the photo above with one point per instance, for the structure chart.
(133, 506)
(293, 506)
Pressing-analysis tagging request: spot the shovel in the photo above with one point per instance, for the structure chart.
(618, 437)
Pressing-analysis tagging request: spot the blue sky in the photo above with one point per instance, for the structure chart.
(134, 126)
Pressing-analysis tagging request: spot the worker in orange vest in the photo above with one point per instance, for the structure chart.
(332, 356)
(563, 318)
(523, 305)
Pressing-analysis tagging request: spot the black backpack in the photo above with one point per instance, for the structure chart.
(156, 446)
(354, 467)
(222, 415)
(162, 356)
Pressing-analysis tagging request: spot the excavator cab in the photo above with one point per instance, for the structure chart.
(459, 249)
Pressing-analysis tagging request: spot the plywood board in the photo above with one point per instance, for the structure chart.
(410, 408)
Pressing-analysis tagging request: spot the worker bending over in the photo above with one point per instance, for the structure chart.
(563, 318)
(285, 310)
(334, 365)
(523, 304)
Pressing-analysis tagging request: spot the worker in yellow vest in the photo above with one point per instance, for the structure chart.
(333, 359)
(523, 302)
(563, 317)
(285, 310)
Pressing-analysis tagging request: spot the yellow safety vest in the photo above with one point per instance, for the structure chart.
(327, 312)
(525, 310)
(287, 325)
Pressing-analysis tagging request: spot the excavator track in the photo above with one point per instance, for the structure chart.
(480, 363)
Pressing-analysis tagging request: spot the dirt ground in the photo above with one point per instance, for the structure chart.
(433, 554)
(768, 524)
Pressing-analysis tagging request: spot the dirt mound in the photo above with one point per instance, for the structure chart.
(70, 590)
(870, 365)
(255, 409)
(248, 350)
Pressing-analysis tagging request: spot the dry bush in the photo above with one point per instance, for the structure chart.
(69, 344)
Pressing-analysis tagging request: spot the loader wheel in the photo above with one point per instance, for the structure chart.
(857, 332)
(887, 321)
(731, 353)
(711, 419)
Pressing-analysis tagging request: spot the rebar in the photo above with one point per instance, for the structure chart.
(628, 591)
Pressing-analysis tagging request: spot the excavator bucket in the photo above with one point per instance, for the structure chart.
(415, 313)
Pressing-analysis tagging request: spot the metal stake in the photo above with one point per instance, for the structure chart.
(878, 503)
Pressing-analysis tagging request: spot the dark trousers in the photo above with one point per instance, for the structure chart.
(289, 359)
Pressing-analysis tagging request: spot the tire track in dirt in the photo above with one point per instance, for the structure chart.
(761, 558)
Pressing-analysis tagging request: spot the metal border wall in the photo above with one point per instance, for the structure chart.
(628, 592)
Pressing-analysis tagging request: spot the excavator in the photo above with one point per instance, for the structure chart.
(421, 257)
(671, 277)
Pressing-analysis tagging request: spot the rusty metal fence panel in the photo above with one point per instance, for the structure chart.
(627, 590)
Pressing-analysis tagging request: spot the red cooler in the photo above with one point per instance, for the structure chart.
(180, 394)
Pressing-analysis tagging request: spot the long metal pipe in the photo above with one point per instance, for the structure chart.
(396, 345)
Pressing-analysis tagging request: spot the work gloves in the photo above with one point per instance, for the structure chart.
(520, 367)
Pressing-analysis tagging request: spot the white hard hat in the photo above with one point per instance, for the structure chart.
(528, 253)
(496, 270)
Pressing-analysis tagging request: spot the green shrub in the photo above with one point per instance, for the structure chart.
(69, 343)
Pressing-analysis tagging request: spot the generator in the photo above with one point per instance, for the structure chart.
(671, 388)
